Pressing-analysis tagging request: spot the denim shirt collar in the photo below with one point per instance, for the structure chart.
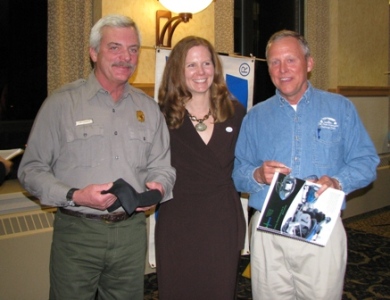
(305, 97)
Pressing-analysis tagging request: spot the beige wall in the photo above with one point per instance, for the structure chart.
(363, 42)
(349, 41)
(144, 13)
(224, 25)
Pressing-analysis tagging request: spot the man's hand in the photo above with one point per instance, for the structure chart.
(7, 164)
(152, 186)
(265, 173)
(91, 196)
(327, 182)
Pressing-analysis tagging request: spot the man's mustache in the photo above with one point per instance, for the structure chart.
(123, 64)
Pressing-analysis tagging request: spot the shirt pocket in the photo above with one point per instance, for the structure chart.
(138, 145)
(326, 147)
(86, 145)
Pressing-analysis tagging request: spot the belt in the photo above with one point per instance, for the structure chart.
(107, 218)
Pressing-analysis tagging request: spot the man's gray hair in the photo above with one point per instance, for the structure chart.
(288, 33)
(110, 21)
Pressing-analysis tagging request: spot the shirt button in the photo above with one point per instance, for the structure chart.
(116, 157)
(115, 132)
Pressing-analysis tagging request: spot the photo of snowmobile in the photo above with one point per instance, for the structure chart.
(307, 220)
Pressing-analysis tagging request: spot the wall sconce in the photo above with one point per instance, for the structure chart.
(184, 9)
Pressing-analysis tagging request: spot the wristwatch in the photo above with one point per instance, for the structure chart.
(69, 197)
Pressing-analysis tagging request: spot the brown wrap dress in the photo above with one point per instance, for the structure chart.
(200, 232)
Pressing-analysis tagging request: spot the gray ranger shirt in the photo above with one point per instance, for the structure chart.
(81, 136)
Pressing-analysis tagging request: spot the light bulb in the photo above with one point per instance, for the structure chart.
(186, 6)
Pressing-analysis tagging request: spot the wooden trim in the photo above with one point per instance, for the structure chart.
(148, 88)
(362, 91)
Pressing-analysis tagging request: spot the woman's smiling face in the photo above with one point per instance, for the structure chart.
(199, 70)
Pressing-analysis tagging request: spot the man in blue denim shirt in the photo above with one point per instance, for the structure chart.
(300, 131)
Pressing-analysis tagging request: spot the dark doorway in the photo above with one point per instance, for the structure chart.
(254, 23)
(23, 68)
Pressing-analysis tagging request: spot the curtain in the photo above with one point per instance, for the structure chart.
(69, 25)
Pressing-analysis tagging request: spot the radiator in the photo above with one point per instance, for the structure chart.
(25, 240)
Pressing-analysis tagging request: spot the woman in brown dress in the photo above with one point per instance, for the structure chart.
(200, 232)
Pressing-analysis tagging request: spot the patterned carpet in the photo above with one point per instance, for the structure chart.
(368, 268)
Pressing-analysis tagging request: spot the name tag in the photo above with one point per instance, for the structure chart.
(84, 122)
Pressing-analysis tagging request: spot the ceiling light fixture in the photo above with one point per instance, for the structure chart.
(184, 9)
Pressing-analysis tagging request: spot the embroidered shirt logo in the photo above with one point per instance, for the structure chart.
(328, 123)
